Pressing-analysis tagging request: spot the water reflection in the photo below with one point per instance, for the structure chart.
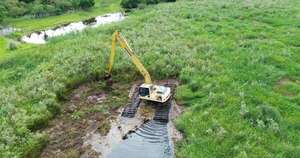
(151, 140)
(42, 36)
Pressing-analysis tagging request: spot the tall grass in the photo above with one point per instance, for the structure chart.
(236, 61)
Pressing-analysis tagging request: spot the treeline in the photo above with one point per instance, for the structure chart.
(39, 8)
(130, 4)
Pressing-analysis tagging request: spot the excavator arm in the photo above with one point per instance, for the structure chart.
(116, 37)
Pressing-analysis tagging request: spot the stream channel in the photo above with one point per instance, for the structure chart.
(40, 37)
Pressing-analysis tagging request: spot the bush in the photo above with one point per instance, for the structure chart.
(62, 6)
(264, 116)
(130, 4)
(2, 13)
(84, 4)
(152, 1)
(12, 46)
(39, 8)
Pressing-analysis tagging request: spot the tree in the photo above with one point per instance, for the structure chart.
(63, 5)
(152, 1)
(129, 4)
(2, 12)
(38, 10)
(27, 1)
(84, 4)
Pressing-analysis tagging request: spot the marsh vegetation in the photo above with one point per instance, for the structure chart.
(237, 62)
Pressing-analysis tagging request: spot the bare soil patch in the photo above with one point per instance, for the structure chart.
(287, 87)
(90, 124)
(89, 107)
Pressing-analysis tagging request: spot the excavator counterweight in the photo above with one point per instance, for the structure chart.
(147, 90)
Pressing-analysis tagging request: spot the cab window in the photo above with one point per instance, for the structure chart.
(143, 91)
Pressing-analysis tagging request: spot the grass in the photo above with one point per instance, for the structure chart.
(237, 61)
(28, 25)
(3, 46)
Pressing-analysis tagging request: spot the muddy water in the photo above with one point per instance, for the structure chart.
(119, 128)
(140, 136)
(142, 130)
(41, 36)
(151, 140)
(105, 133)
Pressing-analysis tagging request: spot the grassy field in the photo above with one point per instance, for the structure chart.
(27, 24)
(237, 61)
(3, 46)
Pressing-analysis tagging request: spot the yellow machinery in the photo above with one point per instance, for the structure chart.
(147, 90)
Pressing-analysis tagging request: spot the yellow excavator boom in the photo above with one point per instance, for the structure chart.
(116, 37)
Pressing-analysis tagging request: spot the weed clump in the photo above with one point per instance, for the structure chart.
(263, 116)
(12, 46)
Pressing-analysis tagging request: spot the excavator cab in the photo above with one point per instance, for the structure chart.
(147, 90)
(155, 93)
(144, 91)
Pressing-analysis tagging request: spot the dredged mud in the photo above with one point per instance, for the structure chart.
(105, 132)
(154, 138)
(151, 139)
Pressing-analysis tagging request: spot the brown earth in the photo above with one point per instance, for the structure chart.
(90, 123)
(88, 108)
(281, 86)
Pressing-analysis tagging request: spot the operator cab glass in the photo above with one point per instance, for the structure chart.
(144, 91)
(161, 90)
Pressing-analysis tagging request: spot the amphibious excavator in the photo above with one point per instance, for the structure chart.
(147, 90)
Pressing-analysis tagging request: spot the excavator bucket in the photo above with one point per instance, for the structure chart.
(108, 80)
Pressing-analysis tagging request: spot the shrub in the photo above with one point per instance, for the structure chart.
(264, 116)
(38, 8)
(12, 46)
(84, 4)
(129, 4)
(152, 1)
(62, 6)
(2, 12)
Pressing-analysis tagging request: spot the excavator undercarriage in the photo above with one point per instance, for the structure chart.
(161, 109)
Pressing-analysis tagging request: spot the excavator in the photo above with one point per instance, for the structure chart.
(146, 91)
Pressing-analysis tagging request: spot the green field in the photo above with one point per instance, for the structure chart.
(238, 63)
(3, 46)
(27, 24)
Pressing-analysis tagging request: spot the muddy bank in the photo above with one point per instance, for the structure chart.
(89, 108)
(91, 125)
(120, 128)
(155, 137)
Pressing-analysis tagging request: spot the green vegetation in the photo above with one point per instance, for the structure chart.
(28, 24)
(40, 8)
(130, 4)
(238, 63)
(3, 46)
